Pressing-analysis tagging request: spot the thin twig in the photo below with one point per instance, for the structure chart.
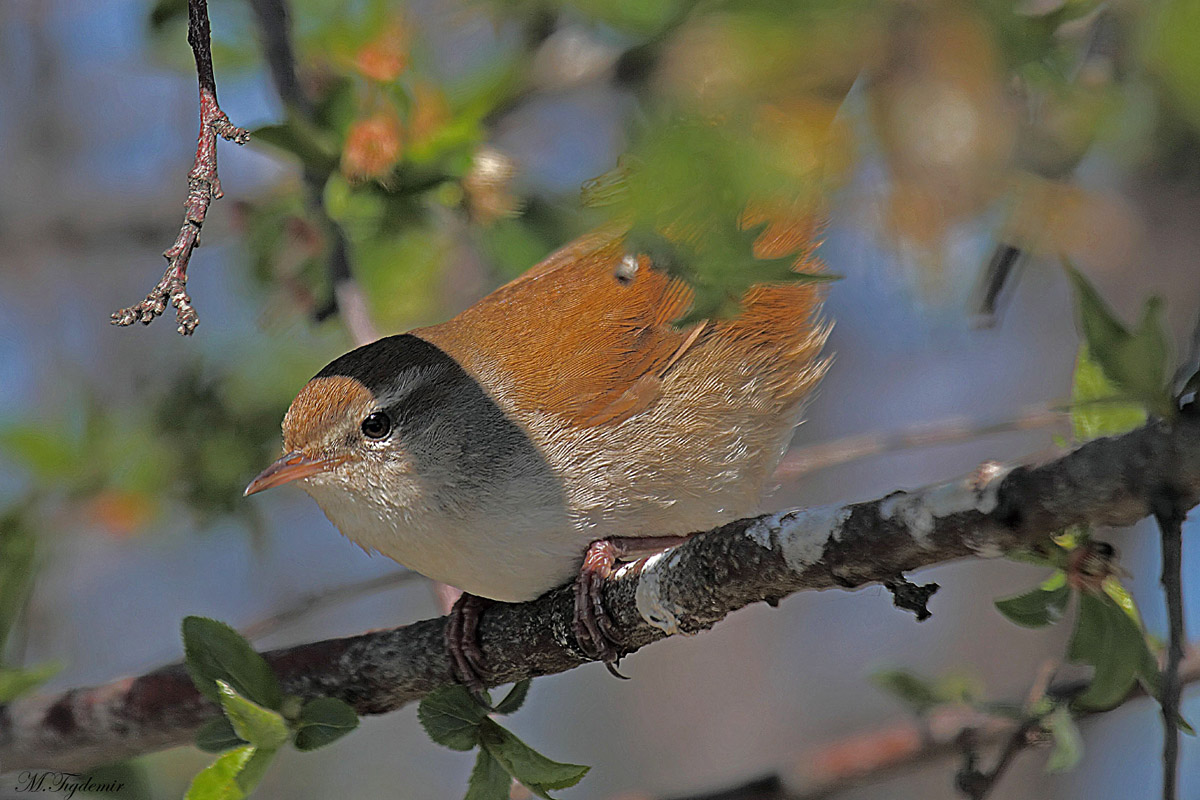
(203, 187)
(803, 460)
(1170, 516)
(325, 599)
(1017, 741)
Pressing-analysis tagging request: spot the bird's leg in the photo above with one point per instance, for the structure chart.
(594, 629)
(462, 642)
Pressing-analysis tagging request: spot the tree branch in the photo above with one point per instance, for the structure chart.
(1169, 515)
(686, 590)
(203, 188)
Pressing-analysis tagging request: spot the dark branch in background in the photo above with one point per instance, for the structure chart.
(686, 590)
(1099, 55)
(874, 756)
(346, 297)
(1169, 514)
(203, 188)
(977, 785)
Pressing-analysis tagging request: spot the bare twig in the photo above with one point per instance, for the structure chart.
(803, 460)
(324, 599)
(1169, 516)
(977, 785)
(203, 188)
(1105, 482)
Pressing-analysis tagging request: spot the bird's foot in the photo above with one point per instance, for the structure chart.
(462, 643)
(595, 630)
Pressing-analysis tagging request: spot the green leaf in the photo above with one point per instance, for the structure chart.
(16, 682)
(324, 720)
(1094, 412)
(1121, 596)
(536, 772)
(1068, 743)
(1039, 607)
(1136, 363)
(261, 727)
(489, 779)
(1114, 644)
(1148, 672)
(515, 697)
(913, 690)
(451, 717)
(218, 781)
(255, 768)
(218, 736)
(1037, 559)
(214, 651)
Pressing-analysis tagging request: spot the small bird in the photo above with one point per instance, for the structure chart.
(562, 423)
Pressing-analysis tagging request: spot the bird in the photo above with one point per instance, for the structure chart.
(568, 420)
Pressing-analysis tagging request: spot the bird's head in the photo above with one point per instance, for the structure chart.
(352, 427)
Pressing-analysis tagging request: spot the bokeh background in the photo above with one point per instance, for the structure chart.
(452, 139)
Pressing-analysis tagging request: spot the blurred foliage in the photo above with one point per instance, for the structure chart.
(18, 566)
(921, 695)
(978, 110)
(193, 444)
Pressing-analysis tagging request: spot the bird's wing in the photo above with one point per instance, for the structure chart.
(589, 333)
(573, 336)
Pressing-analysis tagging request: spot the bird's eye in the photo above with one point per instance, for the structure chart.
(376, 425)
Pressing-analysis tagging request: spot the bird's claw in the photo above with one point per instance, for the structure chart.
(594, 629)
(462, 645)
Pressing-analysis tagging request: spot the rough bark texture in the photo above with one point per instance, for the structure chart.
(689, 589)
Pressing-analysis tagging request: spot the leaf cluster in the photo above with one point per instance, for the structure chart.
(258, 719)
(455, 719)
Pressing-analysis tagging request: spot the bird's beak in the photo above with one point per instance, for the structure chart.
(290, 467)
